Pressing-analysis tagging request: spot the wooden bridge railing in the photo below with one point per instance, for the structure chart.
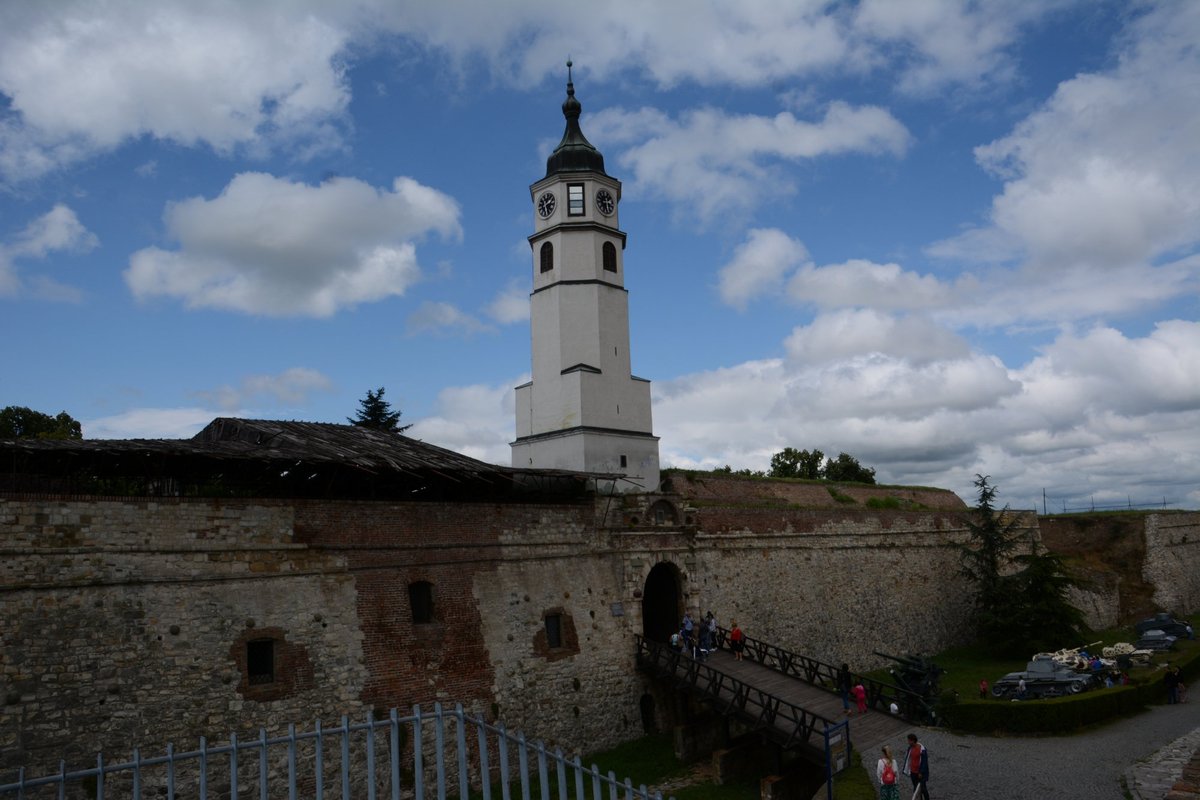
(913, 706)
(785, 723)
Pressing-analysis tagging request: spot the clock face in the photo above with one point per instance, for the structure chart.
(605, 202)
(546, 204)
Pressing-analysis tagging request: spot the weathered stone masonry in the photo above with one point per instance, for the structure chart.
(134, 621)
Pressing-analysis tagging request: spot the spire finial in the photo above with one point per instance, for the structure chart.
(570, 83)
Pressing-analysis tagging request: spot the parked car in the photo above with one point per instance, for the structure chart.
(1164, 622)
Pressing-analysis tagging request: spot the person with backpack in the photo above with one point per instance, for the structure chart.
(885, 773)
(916, 767)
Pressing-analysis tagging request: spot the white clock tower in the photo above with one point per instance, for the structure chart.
(583, 410)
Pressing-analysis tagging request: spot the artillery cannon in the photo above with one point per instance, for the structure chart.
(915, 674)
(919, 678)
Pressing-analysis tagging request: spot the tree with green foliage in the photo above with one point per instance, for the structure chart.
(846, 468)
(18, 422)
(793, 463)
(375, 412)
(984, 560)
(1048, 620)
(1021, 602)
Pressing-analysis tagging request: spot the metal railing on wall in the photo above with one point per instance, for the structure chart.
(440, 754)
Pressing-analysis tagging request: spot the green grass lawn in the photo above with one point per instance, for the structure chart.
(965, 666)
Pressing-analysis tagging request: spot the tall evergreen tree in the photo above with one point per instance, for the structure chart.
(1021, 604)
(375, 412)
(1048, 620)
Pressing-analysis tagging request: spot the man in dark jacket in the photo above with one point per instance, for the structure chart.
(1171, 682)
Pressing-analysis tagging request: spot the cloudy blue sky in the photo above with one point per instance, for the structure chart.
(946, 237)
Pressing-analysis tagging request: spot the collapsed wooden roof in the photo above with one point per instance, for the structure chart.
(272, 458)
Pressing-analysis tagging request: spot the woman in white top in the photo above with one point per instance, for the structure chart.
(887, 772)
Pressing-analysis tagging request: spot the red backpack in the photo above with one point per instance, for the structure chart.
(889, 773)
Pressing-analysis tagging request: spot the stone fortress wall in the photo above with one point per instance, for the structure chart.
(127, 621)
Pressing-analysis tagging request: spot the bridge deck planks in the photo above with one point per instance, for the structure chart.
(868, 731)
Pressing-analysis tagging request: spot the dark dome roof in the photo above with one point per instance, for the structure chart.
(574, 153)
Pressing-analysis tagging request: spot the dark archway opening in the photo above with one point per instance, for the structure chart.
(661, 603)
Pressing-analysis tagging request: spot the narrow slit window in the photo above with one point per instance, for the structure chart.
(554, 630)
(547, 253)
(420, 599)
(260, 661)
(624, 461)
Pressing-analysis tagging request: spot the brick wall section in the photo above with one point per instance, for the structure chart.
(708, 488)
(455, 548)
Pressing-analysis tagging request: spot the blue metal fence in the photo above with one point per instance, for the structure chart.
(426, 755)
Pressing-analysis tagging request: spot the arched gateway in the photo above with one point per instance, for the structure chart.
(662, 602)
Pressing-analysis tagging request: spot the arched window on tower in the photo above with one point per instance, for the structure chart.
(609, 257)
(547, 256)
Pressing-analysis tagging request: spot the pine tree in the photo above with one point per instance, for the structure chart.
(1021, 604)
(375, 412)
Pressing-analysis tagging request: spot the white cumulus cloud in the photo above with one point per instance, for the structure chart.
(712, 161)
(476, 420)
(439, 317)
(58, 230)
(84, 77)
(1104, 175)
(759, 266)
(511, 305)
(291, 388)
(271, 246)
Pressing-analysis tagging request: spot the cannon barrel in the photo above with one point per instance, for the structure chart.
(913, 661)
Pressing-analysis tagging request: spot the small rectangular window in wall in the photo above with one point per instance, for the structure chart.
(260, 661)
(624, 462)
(554, 630)
(575, 200)
(420, 599)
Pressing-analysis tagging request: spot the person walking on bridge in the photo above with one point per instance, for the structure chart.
(843, 687)
(737, 641)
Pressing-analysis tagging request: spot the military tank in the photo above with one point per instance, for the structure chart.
(1166, 623)
(1044, 677)
(1156, 640)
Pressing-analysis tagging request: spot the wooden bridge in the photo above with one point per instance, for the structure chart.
(789, 699)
